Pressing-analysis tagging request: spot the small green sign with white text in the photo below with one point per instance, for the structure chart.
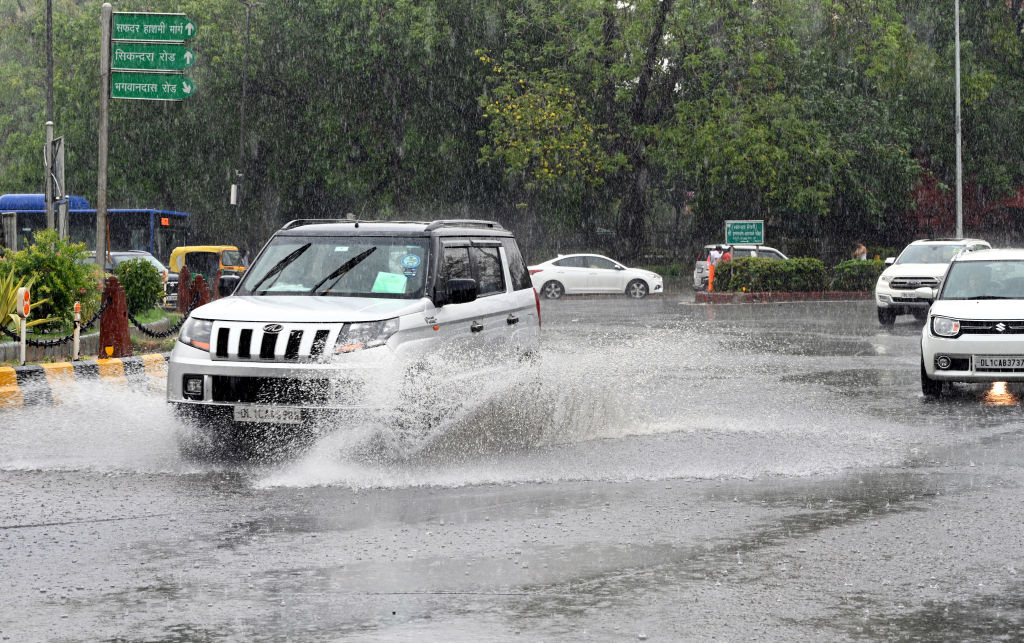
(161, 27)
(744, 232)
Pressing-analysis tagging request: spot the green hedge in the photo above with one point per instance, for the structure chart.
(801, 274)
(143, 284)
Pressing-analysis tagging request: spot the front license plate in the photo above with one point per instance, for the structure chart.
(268, 414)
(998, 361)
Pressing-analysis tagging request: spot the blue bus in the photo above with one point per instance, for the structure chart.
(155, 231)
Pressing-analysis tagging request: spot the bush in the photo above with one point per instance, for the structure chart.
(856, 275)
(142, 282)
(760, 274)
(61, 275)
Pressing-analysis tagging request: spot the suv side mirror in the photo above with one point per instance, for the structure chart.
(924, 292)
(457, 291)
(890, 260)
(228, 283)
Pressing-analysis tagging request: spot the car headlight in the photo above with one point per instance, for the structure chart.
(196, 332)
(945, 327)
(359, 335)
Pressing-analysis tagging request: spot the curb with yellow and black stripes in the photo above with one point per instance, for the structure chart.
(39, 384)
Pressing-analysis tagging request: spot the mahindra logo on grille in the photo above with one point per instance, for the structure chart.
(273, 328)
(1000, 327)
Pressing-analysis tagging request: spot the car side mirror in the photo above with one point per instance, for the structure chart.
(890, 261)
(618, 267)
(456, 291)
(924, 292)
(228, 283)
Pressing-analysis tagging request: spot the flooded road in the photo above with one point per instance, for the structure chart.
(668, 471)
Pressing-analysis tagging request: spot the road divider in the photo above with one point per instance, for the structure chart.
(43, 383)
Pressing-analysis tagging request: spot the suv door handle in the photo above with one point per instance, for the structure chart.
(512, 319)
(476, 327)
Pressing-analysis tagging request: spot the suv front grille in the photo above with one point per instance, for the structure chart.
(913, 283)
(291, 342)
(1015, 327)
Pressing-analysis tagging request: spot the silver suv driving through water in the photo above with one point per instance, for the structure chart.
(333, 316)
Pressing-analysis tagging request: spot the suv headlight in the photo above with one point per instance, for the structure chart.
(359, 335)
(945, 327)
(196, 333)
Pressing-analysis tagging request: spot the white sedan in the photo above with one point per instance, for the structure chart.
(581, 274)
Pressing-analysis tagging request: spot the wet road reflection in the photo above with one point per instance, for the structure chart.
(673, 471)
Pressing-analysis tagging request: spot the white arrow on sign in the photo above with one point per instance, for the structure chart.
(190, 29)
(188, 57)
(186, 88)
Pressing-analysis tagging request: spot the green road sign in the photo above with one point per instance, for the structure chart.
(150, 86)
(161, 27)
(151, 56)
(744, 232)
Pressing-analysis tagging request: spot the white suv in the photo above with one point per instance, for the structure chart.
(975, 329)
(334, 318)
(920, 265)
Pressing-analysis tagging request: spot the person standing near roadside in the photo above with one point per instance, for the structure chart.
(727, 255)
(713, 258)
(860, 252)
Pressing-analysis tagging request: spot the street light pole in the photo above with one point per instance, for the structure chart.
(959, 165)
(240, 172)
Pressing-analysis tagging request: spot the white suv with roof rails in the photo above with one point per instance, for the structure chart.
(920, 265)
(975, 329)
(700, 267)
(332, 318)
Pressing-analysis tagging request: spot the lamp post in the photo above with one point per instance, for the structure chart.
(236, 192)
(959, 165)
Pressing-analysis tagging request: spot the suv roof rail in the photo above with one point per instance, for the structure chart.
(464, 223)
(294, 223)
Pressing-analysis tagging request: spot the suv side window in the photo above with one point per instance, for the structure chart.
(455, 264)
(517, 268)
(490, 277)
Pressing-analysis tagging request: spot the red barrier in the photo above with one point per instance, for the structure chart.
(199, 286)
(184, 290)
(115, 336)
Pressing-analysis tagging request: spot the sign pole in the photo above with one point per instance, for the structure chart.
(101, 172)
(48, 163)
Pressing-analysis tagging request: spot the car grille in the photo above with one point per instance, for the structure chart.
(971, 327)
(274, 342)
(913, 283)
(282, 390)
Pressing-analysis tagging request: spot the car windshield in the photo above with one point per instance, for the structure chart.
(929, 254)
(985, 280)
(390, 267)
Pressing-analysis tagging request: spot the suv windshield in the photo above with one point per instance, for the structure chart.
(351, 266)
(985, 280)
(929, 254)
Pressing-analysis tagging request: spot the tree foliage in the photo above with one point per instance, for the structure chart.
(623, 125)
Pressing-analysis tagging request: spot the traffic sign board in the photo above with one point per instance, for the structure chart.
(151, 56)
(744, 232)
(161, 27)
(150, 86)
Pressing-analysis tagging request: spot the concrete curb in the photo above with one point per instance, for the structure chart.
(39, 384)
(771, 297)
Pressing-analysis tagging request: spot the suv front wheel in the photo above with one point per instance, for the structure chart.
(886, 317)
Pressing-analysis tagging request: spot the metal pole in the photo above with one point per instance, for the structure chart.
(959, 164)
(241, 133)
(24, 325)
(48, 186)
(106, 16)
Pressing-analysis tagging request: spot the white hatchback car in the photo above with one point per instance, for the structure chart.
(586, 274)
(975, 329)
(921, 264)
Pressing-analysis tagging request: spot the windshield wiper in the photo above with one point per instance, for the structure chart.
(280, 265)
(990, 297)
(341, 270)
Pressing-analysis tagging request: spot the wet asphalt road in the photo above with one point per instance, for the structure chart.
(747, 472)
